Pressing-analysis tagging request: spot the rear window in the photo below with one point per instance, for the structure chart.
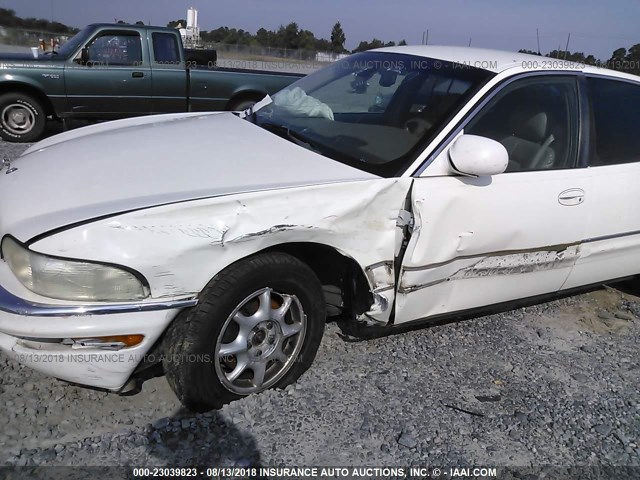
(165, 48)
(616, 121)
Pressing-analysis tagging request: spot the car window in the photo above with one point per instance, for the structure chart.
(374, 110)
(616, 116)
(165, 48)
(439, 90)
(116, 49)
(371, 94)
(74, 42)
(535, 120)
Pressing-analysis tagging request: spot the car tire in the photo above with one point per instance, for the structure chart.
(240, 104)
(258, 325)
(22, 118)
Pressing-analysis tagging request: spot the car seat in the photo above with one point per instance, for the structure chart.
(530, 144)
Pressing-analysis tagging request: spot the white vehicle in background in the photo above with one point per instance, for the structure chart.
(217, 244)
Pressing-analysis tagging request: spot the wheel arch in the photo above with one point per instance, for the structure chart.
(26, 89)
(241, 95)
(333, 268)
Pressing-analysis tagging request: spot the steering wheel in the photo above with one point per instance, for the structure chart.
(544, 157)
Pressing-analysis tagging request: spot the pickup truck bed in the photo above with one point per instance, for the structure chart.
(116, 71)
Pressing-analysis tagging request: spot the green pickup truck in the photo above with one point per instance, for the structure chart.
(110, 71)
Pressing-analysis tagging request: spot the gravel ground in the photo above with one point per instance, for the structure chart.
(548, 384)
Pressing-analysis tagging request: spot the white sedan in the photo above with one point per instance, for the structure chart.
(396, 185)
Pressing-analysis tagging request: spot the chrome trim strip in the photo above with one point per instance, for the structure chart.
(499, 253)
(10, 303)
(385, 263)
(384, 289)
(612, 236)
(422, 286)
(550, 248)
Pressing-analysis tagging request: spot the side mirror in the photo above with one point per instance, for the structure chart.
(477, 156)
(84, 56)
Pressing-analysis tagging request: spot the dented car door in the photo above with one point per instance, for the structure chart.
(482, 241)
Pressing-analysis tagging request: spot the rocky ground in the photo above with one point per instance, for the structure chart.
(553, 383)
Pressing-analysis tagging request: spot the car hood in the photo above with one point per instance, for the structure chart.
(18, 56)
(27, 58)
(115, 167)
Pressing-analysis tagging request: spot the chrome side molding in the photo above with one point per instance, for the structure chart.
(11, 303)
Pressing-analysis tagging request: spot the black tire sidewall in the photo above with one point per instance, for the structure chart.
(242, 104)
(198, 386)
(31, 104)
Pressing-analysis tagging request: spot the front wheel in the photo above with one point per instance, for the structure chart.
(22, 118)
(258, 325)
(241, 104)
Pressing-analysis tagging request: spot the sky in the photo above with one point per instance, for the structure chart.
(596, 27)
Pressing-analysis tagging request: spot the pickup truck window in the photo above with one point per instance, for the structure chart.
(116, 48)
(165, 48)
(74, 42)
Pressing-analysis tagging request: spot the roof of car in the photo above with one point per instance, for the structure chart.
(498, 61)
(131, 25)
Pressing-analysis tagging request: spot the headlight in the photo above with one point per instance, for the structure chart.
(70, 279)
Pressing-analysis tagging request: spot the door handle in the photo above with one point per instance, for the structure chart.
(571, 197)
(137, 74)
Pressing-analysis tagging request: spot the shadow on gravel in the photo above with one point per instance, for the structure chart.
(185, 441)
(54, 127)
(630, 287)
(203, 440)
(351, 332)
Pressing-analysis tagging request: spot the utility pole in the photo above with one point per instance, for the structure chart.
(427, 42)
(469, 41)
(423, 36)
(538, 37)
(566, 50)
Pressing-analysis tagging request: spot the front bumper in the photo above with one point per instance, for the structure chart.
(31, 333)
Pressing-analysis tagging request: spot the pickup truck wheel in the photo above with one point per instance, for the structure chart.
(242, 104)
(258, 325)
(22, 118)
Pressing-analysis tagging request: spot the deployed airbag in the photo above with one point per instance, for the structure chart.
(298, 103)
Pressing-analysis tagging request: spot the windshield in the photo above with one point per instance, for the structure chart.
(74, 42)
(372, 110)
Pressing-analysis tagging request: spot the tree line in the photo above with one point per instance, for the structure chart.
(288, 37)
(292, 37)
(622, 59)
(8, 18)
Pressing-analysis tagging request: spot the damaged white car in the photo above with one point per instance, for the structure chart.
(393, 186)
